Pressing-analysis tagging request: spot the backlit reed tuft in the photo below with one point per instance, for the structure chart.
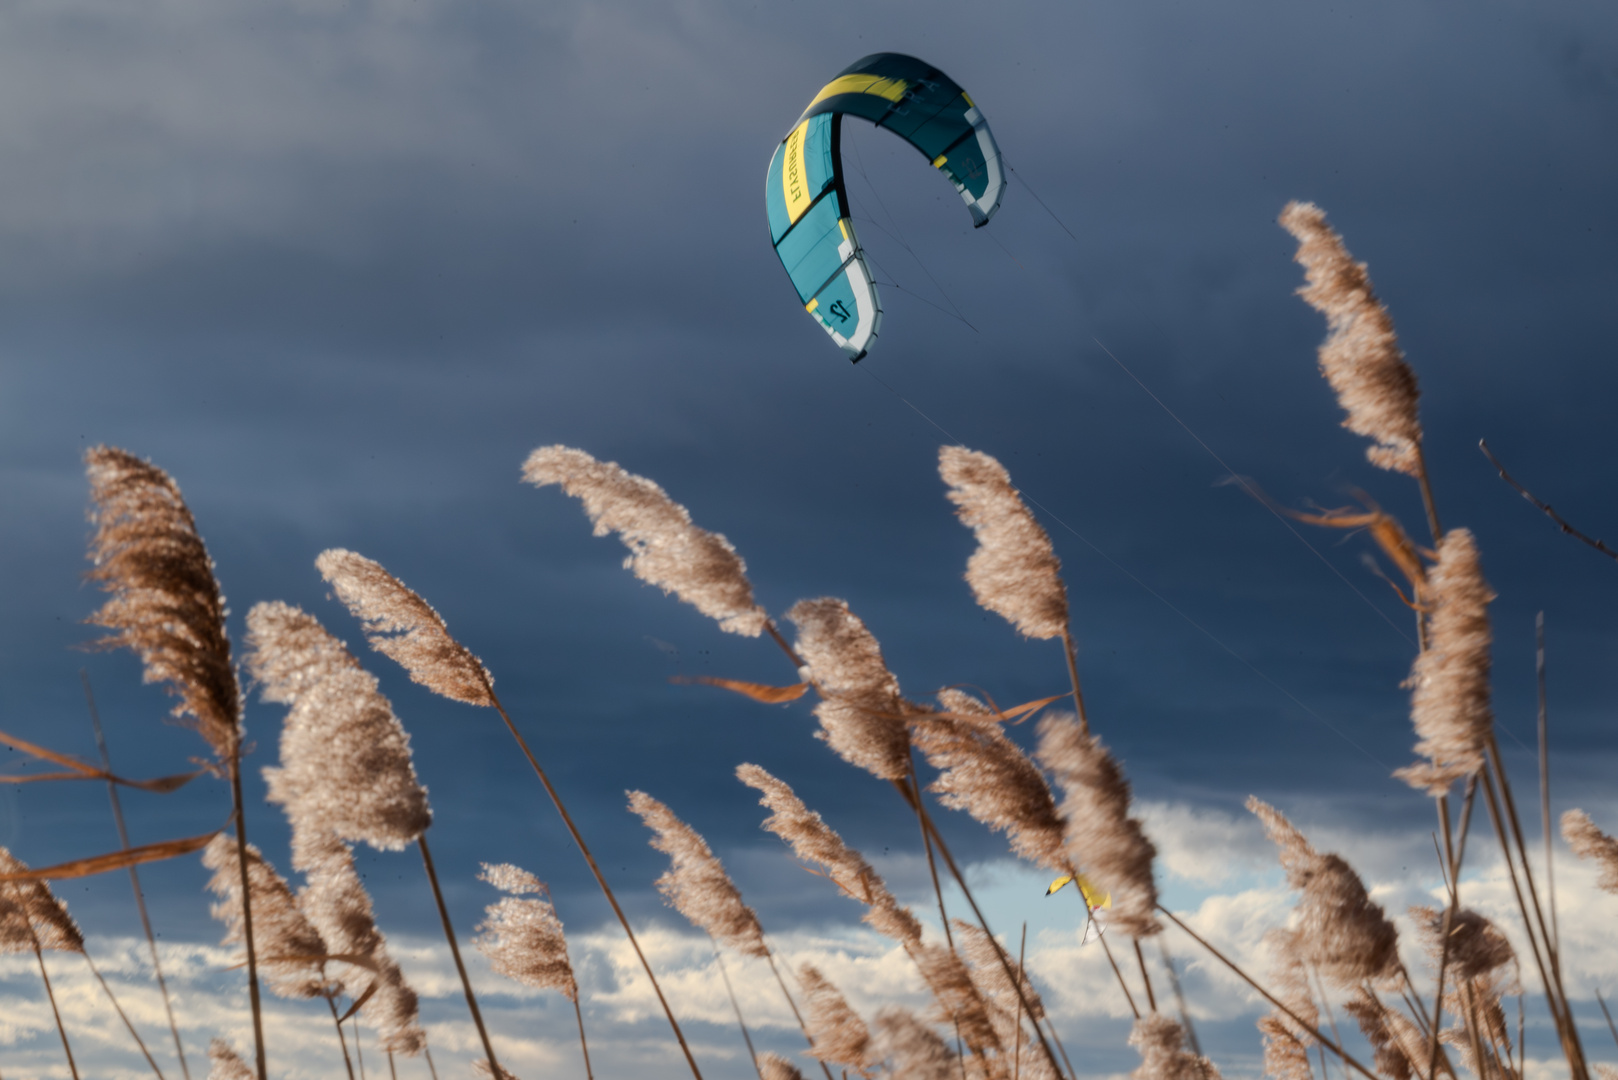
(665, 548)
(345, 758)
(696, 884)
(1589, 842)
(813, 841)
(290, 952)
(481, 1068)
(31, 916)
(1360, 357)
(1449, 705)
(1395, 1041)
(1340, 932)
(1100, 837)
(166, 605)
(521, 935)
(989, 776)
(912, 1049)
(224, 1064)
(1005, 1011)
(836, 1033)
(1477, 947)
(772, 1066)
(401, 625)
(959, 1002)
(1163, 1056)
(862, 715)
(1286, 1043)
(1014, 572)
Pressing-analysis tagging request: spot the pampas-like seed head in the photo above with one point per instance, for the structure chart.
(1005, 1010)
(665, 548)
(989, 776)
(1360, 356)
(696, 884)
(1449, 705)
(345, 758)
(224, 1064)
(772, 1066)
(836, 1032)
(1102, 840)
(523, 938)
(481, 1067)
(1286, 1044)
(814, 841)
(290, 952)
(959, 1002)
(1477, 947)
(913, 1049)
(31, 916)
(401, 625)
(1014, 572)
(1340, 932)
(1395, 1041)
(1163, 1055)
(166, 605)
(1589, 842)
(862, 716)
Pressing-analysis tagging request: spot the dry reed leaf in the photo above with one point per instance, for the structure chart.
(117, 860)
(523, 938)
(1014, 572)
(404, 627)
(224, 1064)
(772, 1066)
(1449, 703)
(1163, 1055)
(696, 884)
(166, 605)
(1101, 839)
(836, 1033)
(665, 548)
(769, 695)
(31, 916)
(1360, 357)
(862, 716)
(345, 766)
(280, 929)
(1589, 842)
(913, 1050)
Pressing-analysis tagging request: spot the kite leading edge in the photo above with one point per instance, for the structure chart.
(807, 204)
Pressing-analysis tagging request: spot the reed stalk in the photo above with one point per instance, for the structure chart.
(247, 910)
(454, 951)
(769, 958)
(337, 1022)
(1545, 774)
(736, 1007)
(57, 1013)
(147, 1054)
(1151, 998)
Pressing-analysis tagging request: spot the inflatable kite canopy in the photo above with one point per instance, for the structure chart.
(808, 206)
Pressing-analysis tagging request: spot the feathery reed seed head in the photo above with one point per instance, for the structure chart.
(481, 1067)
(1014, 572)
(1395, 1041)
(401, 625)
(345, 758)
(1286, 1044)
(1477, 947)
(665, 548)
(772, 1066)
(224, 1064)
(31, 916)
(523, 938)
(696, 884)
(985, 954)
(290, 951)
(836, 1032)
(1360, 357)
(862, 715)
(959, 1002)
(1163, 1055)
(914, 1050)
(1589, 842)
(1101, 839)
(166, 605)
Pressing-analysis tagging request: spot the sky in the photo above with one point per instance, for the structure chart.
(338, 267)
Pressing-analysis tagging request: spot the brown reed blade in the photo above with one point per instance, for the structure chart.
(1544, 507)
(35, 750)
(117, 860)
(769, 695)
(370, 991)
(161, 785)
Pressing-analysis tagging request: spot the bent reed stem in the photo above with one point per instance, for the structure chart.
(454, 951)
(147, 1054)
(247, 908)
(337, 1022)
(736, 1007)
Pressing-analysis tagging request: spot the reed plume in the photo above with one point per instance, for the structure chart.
(837, 1035)
(1014, 572)
(1004, 1007)
(1589, 842)
(1099, 835)
(696, 884)
(1400, 1049)
(772, 1066)
(813, 841)
(293, 954)
(913, 1050)
(990, 777)
(861, 714)
(1360, 357)
(33, 920)
(481, 1068)
(404, 627)
(1477, 947)
(346, 767)
(1340, 932)
(523, 937)
(1286, 1042)
(1163, 1056)
(665, 548)
(957, 996)
(1449, 705)
(224, 1064)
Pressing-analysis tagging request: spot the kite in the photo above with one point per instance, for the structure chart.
(1094, 901)
(808, 208)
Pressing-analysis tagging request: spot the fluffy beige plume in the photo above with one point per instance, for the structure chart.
(665, 548)
(836, 1032)
(1481, 968)
(339, 908)
(989, 776)
(957, 997)
(1286, 1044)
(523, 938)
(1340, 932)
(1101, 839)
(1360, 356)
(481, 1068)
(1395, 1041)
(401, 625)
(696, 883)
(814, 841)
(1163, 1055)
(166, 605)
(290, 952)
(913, 1050)
(772, 1066)
(999, 995)
(1589, 842)
(1013, 573)
(1449, 705)
(224, 1064)
(345, 758)
(31, 916)
(862, 715)
(1477, 947)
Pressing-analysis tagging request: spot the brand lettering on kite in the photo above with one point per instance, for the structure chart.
(841, 311)
(794, 176)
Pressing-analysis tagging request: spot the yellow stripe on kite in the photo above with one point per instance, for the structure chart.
(938, 162)
(811, 305)
(968, 99)
(1093, 896)
(891, 89)
(795, 175)
(842, 223)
